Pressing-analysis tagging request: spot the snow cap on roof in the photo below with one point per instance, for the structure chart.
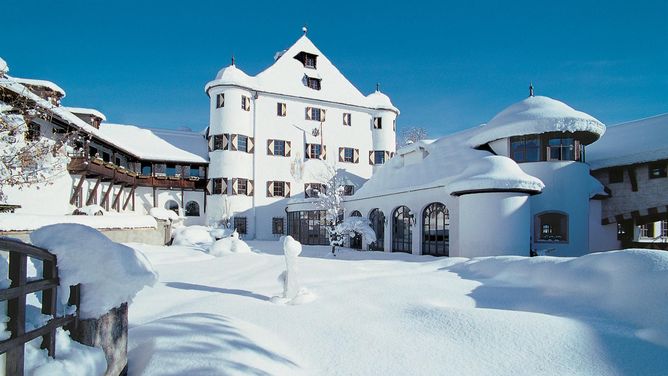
(4, 68)
(231, 75)
(536, 115)
(86, 111)
(380, 101)
(40, 83)
(637, 141)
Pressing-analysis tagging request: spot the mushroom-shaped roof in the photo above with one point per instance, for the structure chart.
(536, 115)
(380, 101)
(231, 75)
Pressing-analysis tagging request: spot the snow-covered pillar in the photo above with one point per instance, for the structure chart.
(291, 249)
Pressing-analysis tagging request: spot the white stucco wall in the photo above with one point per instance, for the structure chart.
(493, 224)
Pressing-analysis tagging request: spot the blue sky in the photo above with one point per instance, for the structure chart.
(446, 65)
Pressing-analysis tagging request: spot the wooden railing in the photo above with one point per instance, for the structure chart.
(15, 296)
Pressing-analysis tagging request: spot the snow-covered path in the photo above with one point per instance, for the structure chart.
(373, 314)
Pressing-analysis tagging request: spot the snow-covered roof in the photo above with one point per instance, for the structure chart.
(285, 76)
(536, 115)
(158, 144)
(86, 111)
(4, 68)
(637, 141)
(42, 83)
(451, 163)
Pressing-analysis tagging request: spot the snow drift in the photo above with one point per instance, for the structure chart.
(109, 273)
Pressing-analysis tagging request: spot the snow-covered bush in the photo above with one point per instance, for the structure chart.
(163, 214)
(193, 236)
(352, 226)
(89, 210)
(230, 244)
(109, 273)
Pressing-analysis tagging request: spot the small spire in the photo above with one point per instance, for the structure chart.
(233, 59)
(531, 89)
(304, 29)
(377, 86)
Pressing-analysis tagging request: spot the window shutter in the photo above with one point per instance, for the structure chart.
(235, 186)
(233, 142)
(306, 190)
(270, 189)
(249, 188)
(323, 155)
(284, 109)
(387, 156)
(307, 151)
(356, 156)
(308, 113)
(287, 188)
(371, 157)
(375, 123)
(270, 147)
(251, 145)
(226, 141)
(322, 115)
(223, 186)
(341, 154)
(288, 148)
(209, 186)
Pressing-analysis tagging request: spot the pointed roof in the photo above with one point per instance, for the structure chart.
(287, 76)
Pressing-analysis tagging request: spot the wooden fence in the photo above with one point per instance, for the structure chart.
(15, 296)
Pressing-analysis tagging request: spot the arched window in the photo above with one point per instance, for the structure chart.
(551, 227)
(377, 219)
(436, 230)
(356, 213)
(192, 209)
(356, 241)
(402, 238)
(172, 205)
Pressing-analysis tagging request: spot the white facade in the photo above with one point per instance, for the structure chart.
(277, 105)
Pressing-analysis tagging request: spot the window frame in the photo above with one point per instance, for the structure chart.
(348, 190)
(279, 186)
(220, 100)
(347, 119)
(553, 219)
(376, 153)
(281, 109)
(188, 209)
(276, 142)
(240, 225)
(657, 170)
(244, 191)
(377, 122)
(245, 138)
(345, 155)
(277, 222)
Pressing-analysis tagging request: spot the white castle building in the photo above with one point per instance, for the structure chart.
(520, 184)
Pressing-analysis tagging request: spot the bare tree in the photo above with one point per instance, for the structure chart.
(411, 135)
(26, 158)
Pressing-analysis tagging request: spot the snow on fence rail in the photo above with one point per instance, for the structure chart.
(15, 295)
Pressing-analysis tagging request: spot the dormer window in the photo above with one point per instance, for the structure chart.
(313, 83)
(309, 60)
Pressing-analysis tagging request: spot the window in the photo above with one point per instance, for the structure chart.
(349, 190)
(278, 189)
(525, 148)
(309, 60)
(192, 209)
(242, 143)
(281, 109)
(313, 151)
(245, 103)
(313, 113)
(313, 83)
(146, 169)
(664, 229)
(313, 190)
(173, 206)
(220, 142)
(170, 170)
(552, 227)
(242, 186)
(348, 155)
(646, 230)
(106, 156)
(220, 100)
(657, 170)
(616, 175)
(194, 171)
(33, 132)
(240, 225)
(402, 236)
(436, 230)
(279, 147)
(377, 123)
(377, 219)
(394, 125)
(277, 225)
(219, 186)
(378, 157)
(563, 149)
(347, 119)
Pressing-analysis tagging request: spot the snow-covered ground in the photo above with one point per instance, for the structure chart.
(399, 314)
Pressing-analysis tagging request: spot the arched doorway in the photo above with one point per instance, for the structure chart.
(173, 206)
(436, 230)
(356, 241)
(192, 209)
(377, 219)
(402, 237)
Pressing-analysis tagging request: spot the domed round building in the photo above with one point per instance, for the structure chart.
(514, 186)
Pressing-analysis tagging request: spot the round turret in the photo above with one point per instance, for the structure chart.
(384, 127)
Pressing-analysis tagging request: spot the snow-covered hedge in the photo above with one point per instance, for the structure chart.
(109, 273)
(230, 244)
